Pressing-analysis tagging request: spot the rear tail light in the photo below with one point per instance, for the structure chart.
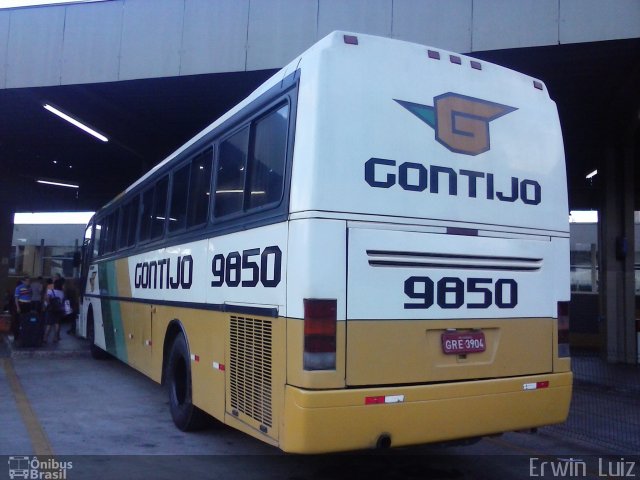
(320, 318)
(563, 329)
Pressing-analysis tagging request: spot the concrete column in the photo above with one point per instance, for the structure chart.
(6, 235)
(617, 257)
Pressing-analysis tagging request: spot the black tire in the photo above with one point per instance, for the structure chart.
(96, 352)
(186, 416)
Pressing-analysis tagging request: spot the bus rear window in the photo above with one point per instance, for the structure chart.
(266, 169)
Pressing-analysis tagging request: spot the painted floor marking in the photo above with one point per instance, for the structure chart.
(37, 435)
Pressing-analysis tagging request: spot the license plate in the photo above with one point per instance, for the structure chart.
(460, 343)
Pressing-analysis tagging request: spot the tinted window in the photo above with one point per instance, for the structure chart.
(108, 232)
(230, 173)
(159, 208)
(128, 224)
(266, 168)
(97, 240)
(146, 215)
(112, 232)
(153, 210)
(199, 189)
(179, 195)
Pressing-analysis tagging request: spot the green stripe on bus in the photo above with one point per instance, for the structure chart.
(111, 314)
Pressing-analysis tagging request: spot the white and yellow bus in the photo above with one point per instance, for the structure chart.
(371, 250)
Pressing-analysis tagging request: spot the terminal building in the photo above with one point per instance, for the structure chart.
(150, 74)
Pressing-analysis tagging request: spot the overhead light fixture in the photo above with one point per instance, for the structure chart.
(592, 174)
(57, 184)
(51, 218)
(75, 122)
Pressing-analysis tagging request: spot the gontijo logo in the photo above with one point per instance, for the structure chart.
(461, 123)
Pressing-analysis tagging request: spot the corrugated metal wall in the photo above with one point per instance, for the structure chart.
(132, 39)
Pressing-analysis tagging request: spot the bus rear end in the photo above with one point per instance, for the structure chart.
(427, 284)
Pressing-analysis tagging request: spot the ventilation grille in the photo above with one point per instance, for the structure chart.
(385, 258)
(250, 368)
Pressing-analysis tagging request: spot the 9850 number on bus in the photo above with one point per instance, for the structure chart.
(454, 292)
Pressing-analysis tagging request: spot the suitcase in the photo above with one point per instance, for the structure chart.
(31, 329)
(5, 322)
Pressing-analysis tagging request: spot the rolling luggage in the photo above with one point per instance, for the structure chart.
(31, 329)
(5, 322)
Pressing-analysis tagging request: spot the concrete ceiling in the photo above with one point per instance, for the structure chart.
(145, 120)
(594, 84)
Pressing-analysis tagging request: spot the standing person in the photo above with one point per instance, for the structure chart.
(48, 288)
(23, 296)
(54, 310)
(36, 294)
(59, 276)
(72, 306)
(13, 309)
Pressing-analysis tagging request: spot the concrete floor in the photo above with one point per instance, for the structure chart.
(112, 422)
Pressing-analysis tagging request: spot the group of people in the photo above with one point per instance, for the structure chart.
(55, 300)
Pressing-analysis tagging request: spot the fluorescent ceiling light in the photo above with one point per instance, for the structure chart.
(239, 191)
(33, 3)
(583, 216)
(592, 174)
(58, 184)
(49, 218)
(75, 122)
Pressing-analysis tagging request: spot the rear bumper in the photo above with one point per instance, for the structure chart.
(339, 420)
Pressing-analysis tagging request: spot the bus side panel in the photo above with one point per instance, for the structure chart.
(205, 334)
(246, 275)
(135, 319)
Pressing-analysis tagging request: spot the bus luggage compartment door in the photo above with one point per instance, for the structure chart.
(426, 307)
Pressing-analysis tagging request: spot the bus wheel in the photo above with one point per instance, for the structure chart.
(186, 416)
(96, 351)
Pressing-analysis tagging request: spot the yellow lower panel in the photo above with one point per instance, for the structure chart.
(338, 420)
(410, 351)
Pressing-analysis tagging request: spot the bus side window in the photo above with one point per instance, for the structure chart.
(230, 173)
(266, 168)
(159, 214)
(179, 194)
(97, 238)
(133, 222)
(106, 234)
(154, 210)
(128, 219)
(146, 215)
(199, 189)
(113, 230)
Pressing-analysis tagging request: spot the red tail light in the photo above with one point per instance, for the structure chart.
(320, 322)
(563, 329)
